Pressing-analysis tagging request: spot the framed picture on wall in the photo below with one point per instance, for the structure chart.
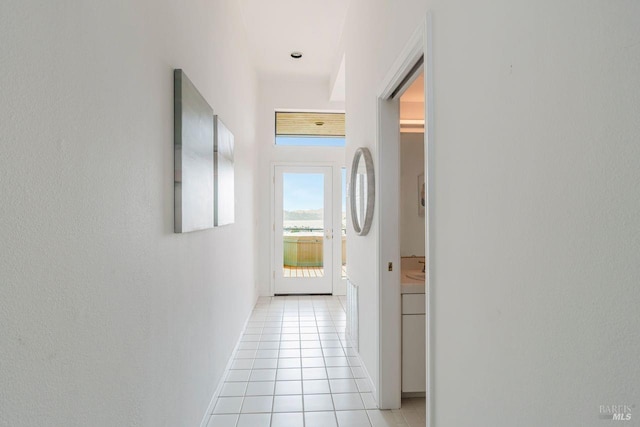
(421, 195)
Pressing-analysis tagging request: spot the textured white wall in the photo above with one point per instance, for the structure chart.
(536, 259)
(282, 93)
(107, 317)
(411, 165)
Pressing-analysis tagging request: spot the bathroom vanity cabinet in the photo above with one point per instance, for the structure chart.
(413, 343)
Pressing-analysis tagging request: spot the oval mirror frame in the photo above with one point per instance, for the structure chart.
(362, 223)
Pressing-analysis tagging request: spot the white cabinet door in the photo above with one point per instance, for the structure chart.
(413, 353)
(413, 304)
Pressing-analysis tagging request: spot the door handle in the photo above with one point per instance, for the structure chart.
(328, 234)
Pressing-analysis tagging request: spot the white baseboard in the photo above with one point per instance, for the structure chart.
(369, 380)
(216, 393)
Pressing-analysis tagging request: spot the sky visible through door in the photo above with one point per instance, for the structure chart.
(303, 202)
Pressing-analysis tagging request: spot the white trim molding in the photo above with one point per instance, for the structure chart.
(418, 47)
(216, 393)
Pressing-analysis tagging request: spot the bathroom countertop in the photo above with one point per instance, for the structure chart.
(411, 265)
(411, 286)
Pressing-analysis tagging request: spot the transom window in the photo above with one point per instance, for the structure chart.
(310, 129)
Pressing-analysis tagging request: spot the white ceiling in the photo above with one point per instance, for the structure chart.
(275, 28)
(415, 92)
(412, 107)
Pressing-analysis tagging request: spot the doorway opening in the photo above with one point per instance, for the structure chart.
(413, 265)
(303, 230)
(308, 233)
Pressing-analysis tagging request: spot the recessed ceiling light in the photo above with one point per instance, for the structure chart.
(296, 55)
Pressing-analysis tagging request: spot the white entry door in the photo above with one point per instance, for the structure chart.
(303, 230)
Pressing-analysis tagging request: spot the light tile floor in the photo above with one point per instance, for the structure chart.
(293, 367)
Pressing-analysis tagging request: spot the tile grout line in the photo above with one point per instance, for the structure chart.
(326, 371)
(301, 373)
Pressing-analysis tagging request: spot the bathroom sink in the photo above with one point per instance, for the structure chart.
(415, 275)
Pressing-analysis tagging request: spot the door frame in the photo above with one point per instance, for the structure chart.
(387, 146)
(338, 285)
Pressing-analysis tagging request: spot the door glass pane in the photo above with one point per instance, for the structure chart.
(303, 224)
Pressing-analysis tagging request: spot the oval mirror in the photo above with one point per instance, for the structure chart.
(362, 191)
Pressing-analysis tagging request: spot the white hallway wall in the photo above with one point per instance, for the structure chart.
(285, 93)
(536, 259)
(411, 223)
(107, 317)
